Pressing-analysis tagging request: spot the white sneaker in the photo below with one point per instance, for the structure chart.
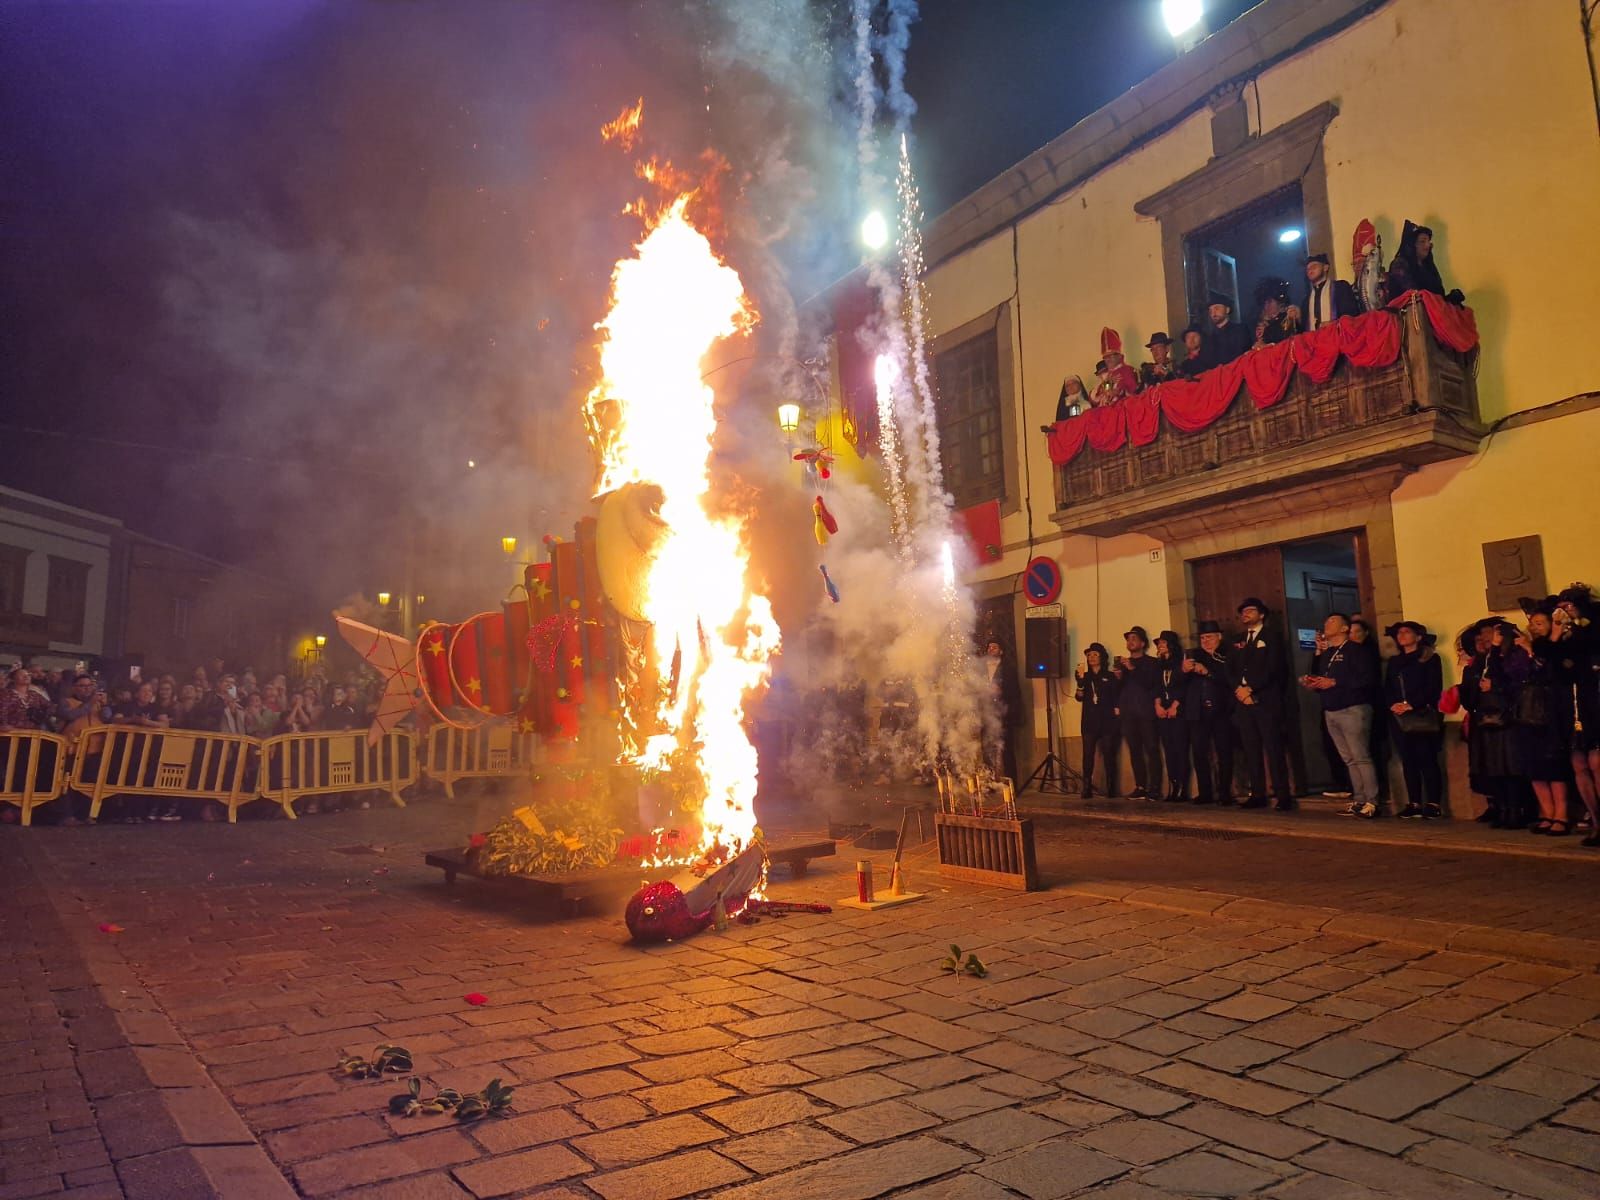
(1337, 795)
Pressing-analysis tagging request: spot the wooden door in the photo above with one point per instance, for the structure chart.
(1219, 584)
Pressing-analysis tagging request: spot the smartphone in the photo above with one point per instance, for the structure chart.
(134, 673)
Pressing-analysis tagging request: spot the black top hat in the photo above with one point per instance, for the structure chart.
(1255, 602)
(1174, 642)
(1321, 258)
(1138, 631)
(1159, 338)
(1416, 627)
(1219, 298)
(1099, 366)
(1207, 627)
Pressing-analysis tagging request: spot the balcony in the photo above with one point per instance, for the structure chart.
(1421, 408)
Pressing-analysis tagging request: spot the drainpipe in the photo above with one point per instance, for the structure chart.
(1586, 11)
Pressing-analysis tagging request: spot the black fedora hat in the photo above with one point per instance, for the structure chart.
(1207, 627)
(1159, 338)
(1416, 627)
(1138, 631)
(1255, 602)
(1321, 258)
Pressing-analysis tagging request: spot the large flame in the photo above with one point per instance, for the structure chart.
(653, 421)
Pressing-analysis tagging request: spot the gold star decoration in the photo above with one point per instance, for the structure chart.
(435, 646)
(525, 726)
(472, 685)
(541, 589)
(577, 660)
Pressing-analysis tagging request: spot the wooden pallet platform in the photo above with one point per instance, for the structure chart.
(602, 885)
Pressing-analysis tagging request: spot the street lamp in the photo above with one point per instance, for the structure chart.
(383, 599)
(420, 599)
(321, 640)
(788, 417)
(1184, 19)
(509, 545)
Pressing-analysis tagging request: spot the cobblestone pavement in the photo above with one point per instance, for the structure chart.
(1118, 1050)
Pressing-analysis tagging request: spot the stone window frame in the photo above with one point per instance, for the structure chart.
(997, 320)
(1291, 154)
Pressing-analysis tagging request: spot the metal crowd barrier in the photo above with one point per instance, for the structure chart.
(177, 764)
(494, 751)
(32, 769)
(294, 765)
(37, 768)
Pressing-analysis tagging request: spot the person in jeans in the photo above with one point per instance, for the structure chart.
(1414, 683)
(1344, 681)
(1140, 677)
(1097, 692)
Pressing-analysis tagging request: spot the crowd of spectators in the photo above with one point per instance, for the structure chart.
(1218, 713)
(1219, 337)
(212, 699)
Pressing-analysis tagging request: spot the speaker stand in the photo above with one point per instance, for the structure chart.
(1052, 776)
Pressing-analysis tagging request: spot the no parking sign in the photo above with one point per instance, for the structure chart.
(1042, 580)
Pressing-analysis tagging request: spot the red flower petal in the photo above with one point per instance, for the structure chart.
(475, 999)
(109, 928)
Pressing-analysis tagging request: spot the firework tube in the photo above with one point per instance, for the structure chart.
(864, 880)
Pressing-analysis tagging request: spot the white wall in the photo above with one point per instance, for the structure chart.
(64, 534)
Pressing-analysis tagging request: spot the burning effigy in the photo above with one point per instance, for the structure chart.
(695, 633)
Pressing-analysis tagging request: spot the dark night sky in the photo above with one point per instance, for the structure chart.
(323, 251)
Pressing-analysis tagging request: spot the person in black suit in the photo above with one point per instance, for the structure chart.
(1226, 340)
(1259, 668)
(1138, 676)
(1097, 692)
(1327, 299)
(1210, 717)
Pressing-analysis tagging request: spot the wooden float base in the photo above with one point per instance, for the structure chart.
(600, 885)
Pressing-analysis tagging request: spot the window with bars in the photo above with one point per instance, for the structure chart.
(971, 443)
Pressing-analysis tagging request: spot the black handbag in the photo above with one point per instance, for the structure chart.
(1532, 705)
(1418, 720)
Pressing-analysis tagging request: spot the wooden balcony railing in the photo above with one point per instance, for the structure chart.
(1421, 408)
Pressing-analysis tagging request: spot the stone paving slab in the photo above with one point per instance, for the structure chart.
(1118, 1049)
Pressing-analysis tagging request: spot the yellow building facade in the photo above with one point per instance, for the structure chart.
(1475, 117)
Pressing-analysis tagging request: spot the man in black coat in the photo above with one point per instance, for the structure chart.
(1138, 676)
(1327, 299)
(1227, 339)
(1210, 717)
(1259, 665)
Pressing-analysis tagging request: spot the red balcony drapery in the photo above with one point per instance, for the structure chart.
(1189, 405)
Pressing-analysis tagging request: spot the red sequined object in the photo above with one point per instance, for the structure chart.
(658, 912)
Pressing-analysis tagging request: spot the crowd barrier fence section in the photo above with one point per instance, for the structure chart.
(295, 765)
(493, 751)
(175, 764)
(32, 769)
